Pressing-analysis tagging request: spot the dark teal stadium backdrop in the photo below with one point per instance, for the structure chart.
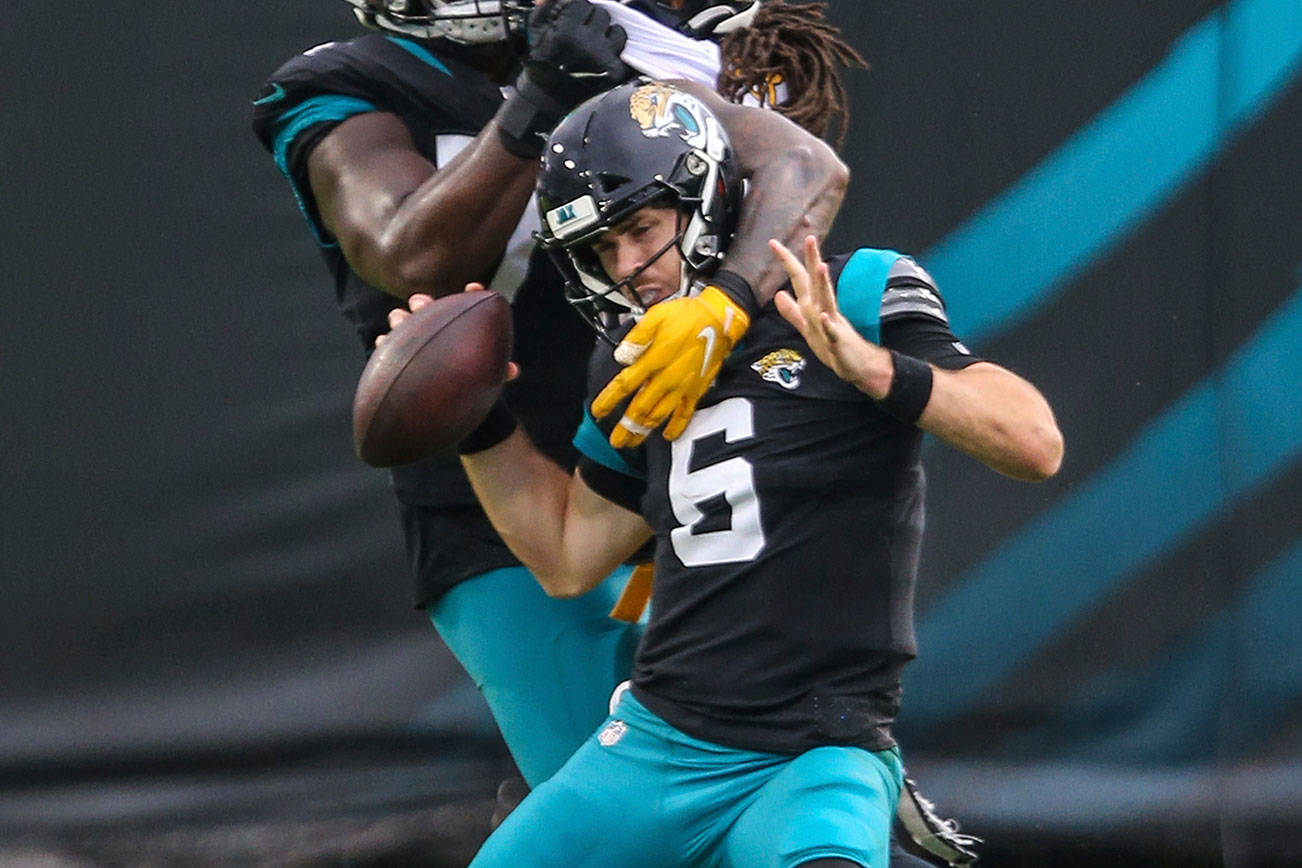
(204, 612)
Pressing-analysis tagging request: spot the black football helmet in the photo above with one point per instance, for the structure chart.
(706, 19)
(470, 22)
(642, 143)
(699, 19)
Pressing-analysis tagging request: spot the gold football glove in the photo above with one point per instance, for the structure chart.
(672, 356)
(636, 594)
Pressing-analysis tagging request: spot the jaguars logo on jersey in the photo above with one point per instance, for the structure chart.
(782, 367)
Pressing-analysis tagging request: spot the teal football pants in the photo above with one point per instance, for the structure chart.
(641, 794)
(545, 666)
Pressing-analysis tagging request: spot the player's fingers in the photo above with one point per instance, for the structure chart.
(812, 257)
(619, 388)
(677, 423)
(645, 405)
(512, 371)
(638, 338)
(666, 405)
(822, 292)
(396, 316)
(417, 300)
(792, 265)
(790, 310)
(626, 382)
(628, 433)
(629, 352)
(828, 324)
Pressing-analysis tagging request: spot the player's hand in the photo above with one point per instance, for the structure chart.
(415, 302)
(811, 307)
(672, 356)
(573, 52)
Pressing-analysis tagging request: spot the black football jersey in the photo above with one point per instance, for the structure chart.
(444, 102)
(788, 523)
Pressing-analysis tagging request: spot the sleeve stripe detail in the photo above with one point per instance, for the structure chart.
(593, 444)
(319, 109)
(859, 289)
(912, 298)
(904, 308)
(419, 51)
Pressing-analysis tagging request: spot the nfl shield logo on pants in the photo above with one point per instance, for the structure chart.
(611, 733)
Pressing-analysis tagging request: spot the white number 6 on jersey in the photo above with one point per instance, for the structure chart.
(733, 478)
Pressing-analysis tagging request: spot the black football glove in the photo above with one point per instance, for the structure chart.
(573, 55)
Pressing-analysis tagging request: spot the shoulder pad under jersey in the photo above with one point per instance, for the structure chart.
(876, 286)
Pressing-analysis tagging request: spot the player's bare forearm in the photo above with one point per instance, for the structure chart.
(405, 227)
(569, 537)
(797, 183)
(797, 193)
(983, 410)
(996, 417)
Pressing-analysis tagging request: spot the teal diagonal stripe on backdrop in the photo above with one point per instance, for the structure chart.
(1176, 692)
(1104, 181)
(1270, 676)
(1214, 444)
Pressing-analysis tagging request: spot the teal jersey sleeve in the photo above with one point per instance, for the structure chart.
(324, 109)
(593, 445)
(324, 86)
(859, 289)
(877, 286)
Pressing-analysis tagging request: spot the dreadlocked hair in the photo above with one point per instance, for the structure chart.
(793, 45)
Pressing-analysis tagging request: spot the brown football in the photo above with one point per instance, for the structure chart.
(433, 379)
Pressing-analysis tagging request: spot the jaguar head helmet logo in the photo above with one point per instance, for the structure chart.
(661, 110)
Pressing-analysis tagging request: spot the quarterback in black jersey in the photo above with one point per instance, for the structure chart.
(786, 517)
(414, 172)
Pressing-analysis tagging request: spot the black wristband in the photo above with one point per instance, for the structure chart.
(496, 427)
(736, 288)
(910, 388)
(527, 117)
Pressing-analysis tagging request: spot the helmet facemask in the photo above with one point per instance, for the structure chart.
(607, 303)
(644, 143)
(469, 22)
(699, 240)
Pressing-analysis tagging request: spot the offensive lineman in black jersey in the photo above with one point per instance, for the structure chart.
(787, 517)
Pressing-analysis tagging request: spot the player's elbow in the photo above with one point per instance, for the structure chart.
(406, 270)
(1040, 455)
(820, 166)
(838, 175)
(561, 583)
